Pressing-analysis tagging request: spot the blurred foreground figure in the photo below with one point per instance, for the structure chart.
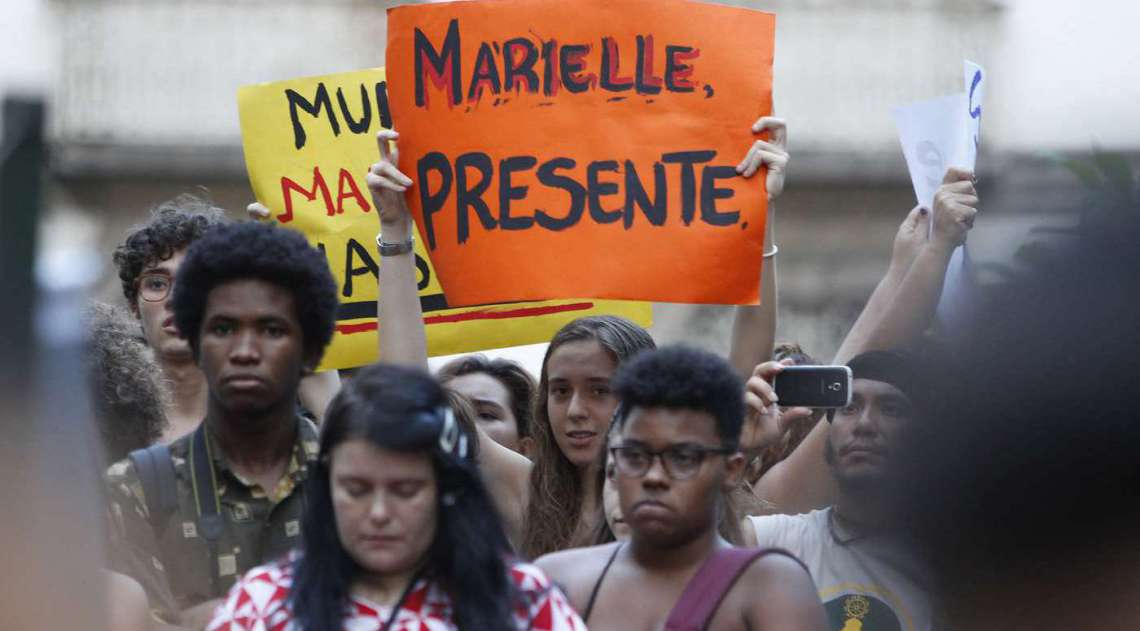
(1023, 489)
(50, 531)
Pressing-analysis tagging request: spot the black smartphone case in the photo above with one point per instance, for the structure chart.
(814, 386)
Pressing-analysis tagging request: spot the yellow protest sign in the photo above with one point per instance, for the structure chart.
(308, 145)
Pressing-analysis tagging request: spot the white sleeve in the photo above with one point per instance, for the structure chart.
(776, 531)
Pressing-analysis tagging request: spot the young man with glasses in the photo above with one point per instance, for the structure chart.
(676, 453)
(147, 262)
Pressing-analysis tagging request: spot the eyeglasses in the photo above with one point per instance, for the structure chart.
(680, 462)
(155, 287)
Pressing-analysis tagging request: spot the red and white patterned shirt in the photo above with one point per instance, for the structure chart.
(259, 602)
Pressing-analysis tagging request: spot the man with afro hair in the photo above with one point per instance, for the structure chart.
(257, 306)
(676, 448)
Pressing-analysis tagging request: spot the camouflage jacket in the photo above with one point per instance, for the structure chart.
(171, 560)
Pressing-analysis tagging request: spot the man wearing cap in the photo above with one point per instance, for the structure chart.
(865, 576)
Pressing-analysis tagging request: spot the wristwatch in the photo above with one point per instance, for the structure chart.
(395, 249)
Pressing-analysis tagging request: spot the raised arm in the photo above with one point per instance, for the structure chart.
(909, 241)
(401, 334)
(900, 309)
(915, 302)
(401, 319)
(317, 390)
(754, 326)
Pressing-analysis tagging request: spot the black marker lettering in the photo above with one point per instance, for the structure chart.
(320, 101)
(433, 202)
(688, 178)
(710, 193)
(514, 71)
(547, 175)
(467, 197)
(444, 66)
(357, 127)
(635, 194)
(508, 192)
(598, 189)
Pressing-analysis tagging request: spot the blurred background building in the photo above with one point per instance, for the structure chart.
(142, 107)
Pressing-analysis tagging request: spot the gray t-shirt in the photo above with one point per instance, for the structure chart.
(865, 583)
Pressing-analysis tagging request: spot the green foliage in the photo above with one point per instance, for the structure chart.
(1108, 219)
(1109, 181)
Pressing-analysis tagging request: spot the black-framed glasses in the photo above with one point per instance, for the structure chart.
(681, 462)
(155, 287)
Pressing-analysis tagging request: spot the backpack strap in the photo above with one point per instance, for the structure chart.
(205, 485)
(155, 470)
(708, 587)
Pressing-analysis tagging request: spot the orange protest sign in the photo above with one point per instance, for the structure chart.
(594, 143)
(308, 143)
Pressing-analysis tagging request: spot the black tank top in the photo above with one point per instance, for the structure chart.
(598, 585)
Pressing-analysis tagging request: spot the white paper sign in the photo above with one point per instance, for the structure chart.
(938, 134)
(975, 84)
(933, 137)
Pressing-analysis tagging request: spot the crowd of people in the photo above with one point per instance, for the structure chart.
(629, 486)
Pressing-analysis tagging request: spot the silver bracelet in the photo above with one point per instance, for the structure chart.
(395, 249)
(774, 252)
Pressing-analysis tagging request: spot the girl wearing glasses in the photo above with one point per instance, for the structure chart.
(676, 454)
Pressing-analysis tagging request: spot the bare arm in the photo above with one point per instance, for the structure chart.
(909, 242)
(914, 304)
(790, 599)
(507, 475)
(401, 333)
(401, 319)
(900, 309)
(754, 326)
(317, 390)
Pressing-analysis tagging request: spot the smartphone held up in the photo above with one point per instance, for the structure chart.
(814, 386)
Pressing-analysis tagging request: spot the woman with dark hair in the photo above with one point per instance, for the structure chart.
(127, 394)
(572, 418)
(502, 392)
(554, 503)
(413, 541)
